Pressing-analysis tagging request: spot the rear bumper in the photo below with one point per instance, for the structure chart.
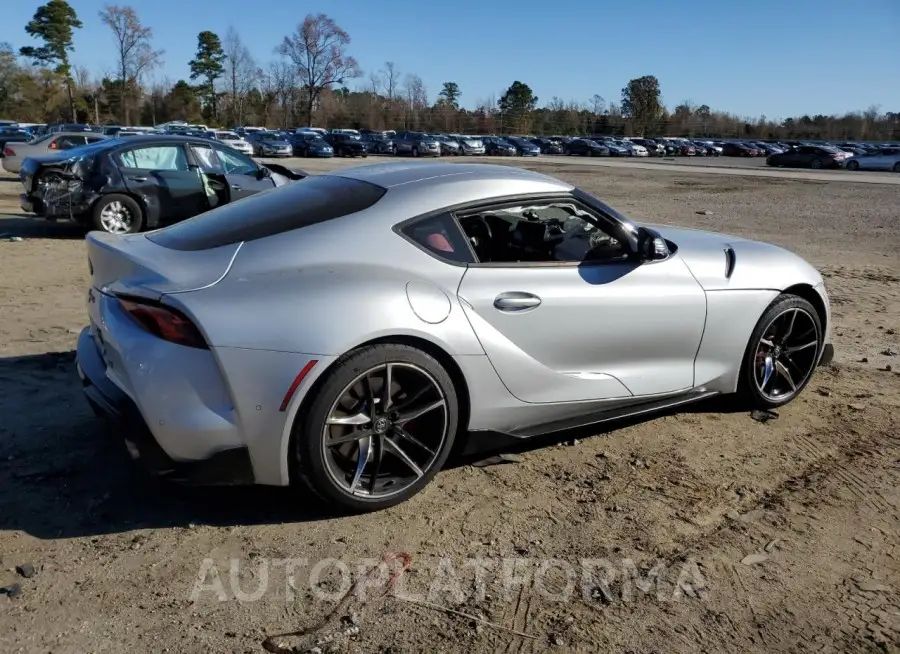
(227, 467)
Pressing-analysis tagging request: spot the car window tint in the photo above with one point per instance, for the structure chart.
(541, 232)
(440, 236)
(68, 142)
(235, 163)
(316, 199)
(159, 157)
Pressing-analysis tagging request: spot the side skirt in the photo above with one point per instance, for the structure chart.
(481, 439)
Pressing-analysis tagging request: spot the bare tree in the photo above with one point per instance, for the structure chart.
(416, 99)
(318, 51)
(391, 79)
(241, 73)
(134, 50)
(376, 82)
(283, 78)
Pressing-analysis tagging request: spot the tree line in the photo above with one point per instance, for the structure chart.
(313, 79)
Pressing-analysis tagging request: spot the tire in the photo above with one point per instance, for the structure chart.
(896, 167)
(394, 150)
(749, 393)
(130, 214)
(313, 459)
(815, 164)
(415, 152)
(852, 165)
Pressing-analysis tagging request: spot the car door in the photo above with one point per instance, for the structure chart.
(579, 329)
(883, 159)
(243, 175)
(161, 174)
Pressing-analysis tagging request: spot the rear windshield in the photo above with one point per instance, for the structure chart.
(306, 202)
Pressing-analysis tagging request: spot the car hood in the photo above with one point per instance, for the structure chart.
(755, 265)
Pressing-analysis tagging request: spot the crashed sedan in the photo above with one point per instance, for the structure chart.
(125, 185)
(348, 331)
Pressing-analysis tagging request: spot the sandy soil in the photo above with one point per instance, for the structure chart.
(813, 494)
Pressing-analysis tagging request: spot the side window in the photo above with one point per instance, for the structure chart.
(235, 163)
(94, 139)
(206, 158)
(67, 142)
(440, 236)
(156, 157)
(561, 231)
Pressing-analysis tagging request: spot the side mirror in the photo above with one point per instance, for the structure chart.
(651, 245)
(262, 172)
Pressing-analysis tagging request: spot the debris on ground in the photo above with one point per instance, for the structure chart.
(704, 212)
(12, 590)
(771, 545)
(753, 559)
(857, 407)
(25, 570)
(275, 644)
(498, 459)
(14, 239)
(763, 415)
(887, 368)
(889, 352)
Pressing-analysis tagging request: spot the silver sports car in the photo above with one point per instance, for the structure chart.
(349, 330)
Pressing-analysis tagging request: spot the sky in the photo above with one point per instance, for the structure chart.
(777, 58)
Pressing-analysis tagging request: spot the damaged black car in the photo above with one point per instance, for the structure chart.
(125, 185)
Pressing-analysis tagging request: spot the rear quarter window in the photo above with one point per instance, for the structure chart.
(315, 199)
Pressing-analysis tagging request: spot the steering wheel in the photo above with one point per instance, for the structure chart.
(481, 234)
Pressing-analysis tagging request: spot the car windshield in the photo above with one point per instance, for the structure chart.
(227, 136)
(270, 136)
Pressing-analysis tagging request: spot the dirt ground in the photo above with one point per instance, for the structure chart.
(775, 536)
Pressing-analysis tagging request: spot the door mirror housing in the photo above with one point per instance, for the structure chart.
(651, 245)
(262, 172)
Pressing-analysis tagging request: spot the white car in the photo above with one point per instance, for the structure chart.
(638, 150)
(232, 140)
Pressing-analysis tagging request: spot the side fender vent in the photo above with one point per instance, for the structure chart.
(730, 259)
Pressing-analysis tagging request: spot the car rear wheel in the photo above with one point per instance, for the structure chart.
(117, 214)
(415, 152)
(816, 164)
(379, 428)
(852, 165)
(897, 167)
(782, 353)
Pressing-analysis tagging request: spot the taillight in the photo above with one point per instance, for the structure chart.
(164, 322)
(9, 152)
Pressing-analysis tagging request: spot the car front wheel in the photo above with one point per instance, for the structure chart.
(782, 353)
(380, 426)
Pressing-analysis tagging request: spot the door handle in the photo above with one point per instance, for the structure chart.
(138, 179)
(516, 301)
(236, 187)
